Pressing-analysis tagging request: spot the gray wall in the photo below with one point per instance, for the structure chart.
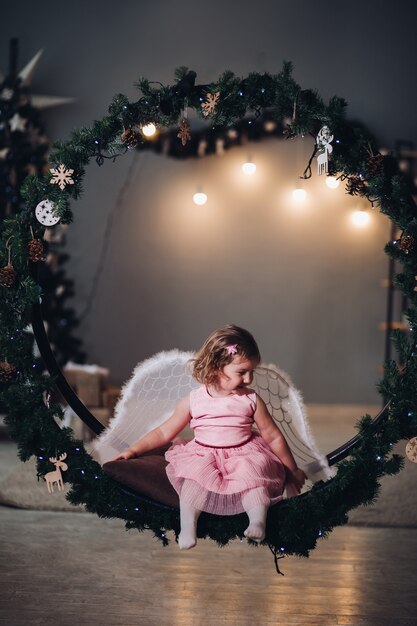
(303, 280)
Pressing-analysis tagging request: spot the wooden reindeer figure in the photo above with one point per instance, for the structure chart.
(56, 476)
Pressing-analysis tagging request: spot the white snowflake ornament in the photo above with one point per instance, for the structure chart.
(324, 139)
(45, 213)
(61, 176)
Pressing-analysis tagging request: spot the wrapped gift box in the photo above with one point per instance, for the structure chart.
(88, 382)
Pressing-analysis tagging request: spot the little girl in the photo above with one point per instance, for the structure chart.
(228, 468)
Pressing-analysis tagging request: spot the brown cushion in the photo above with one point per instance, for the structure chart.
(146, 476)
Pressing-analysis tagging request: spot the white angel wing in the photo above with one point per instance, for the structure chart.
(287, 408)
(147, 400)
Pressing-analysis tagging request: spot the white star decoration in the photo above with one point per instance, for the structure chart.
(17, 123)
(37, 101)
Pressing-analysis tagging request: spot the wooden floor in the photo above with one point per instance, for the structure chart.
(73, 568)
(62, 569)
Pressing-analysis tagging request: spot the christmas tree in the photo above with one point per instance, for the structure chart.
(23, 151)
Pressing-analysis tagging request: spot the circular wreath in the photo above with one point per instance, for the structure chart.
(295, 525)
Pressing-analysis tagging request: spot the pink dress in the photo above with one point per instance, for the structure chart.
(228, 468)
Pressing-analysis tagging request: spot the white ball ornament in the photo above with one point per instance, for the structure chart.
(411, 450)
(45, 213)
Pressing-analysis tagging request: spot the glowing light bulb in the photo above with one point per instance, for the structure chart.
(361, 218)
(332, 182)
(149, 130)
(299, 194)
(200, 198)
(249, 168)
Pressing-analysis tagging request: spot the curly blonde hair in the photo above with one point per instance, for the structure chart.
(214, 355)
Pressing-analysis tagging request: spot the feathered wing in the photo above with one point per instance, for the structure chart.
(287, 408)
(147, 400)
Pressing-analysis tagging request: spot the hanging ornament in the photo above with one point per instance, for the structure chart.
(407, 244)
(415, 288)
(55, 477)
(184, 131)
(35, 249)
(355, 186)
(130, 137)
(324, 139)
(61, 176)
(375, 164)
(210, 104)
(289, 132)
(411, 450)
(8, 273)
(45, 213)
(7, 372)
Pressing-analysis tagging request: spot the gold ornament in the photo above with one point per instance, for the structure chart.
(209, 106)
(411, 450)
(7, 371)
(55, 476)
(184, 131)
(61, 176)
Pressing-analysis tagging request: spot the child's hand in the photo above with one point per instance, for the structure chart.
(127, 454)
(297, 479)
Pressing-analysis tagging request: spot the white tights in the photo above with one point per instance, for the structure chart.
(189, 517)
(188, 520)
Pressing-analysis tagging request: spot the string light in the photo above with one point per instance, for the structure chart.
(200, 198)
(299, 194)
(360, 218)
(149, 130)
(332, 182)
(249, 168)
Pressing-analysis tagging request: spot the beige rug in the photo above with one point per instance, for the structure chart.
(396, 506)
(22, 490)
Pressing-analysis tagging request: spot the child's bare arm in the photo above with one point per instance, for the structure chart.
(275, 439)
(162, 434)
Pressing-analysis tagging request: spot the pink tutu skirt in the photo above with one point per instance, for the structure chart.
(225, 481)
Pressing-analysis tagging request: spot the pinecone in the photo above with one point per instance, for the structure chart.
(7, 275)
(130, 137)
(36, 251)
(407, 244)
(375, 164)
(289, 132)
(7, 371)
(355, 186)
